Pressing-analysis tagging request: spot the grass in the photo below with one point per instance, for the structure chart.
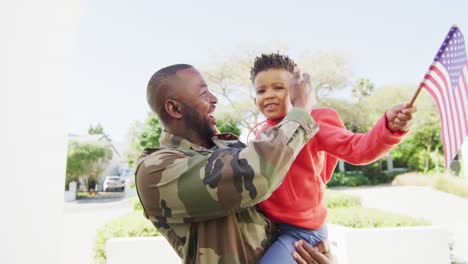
(361, 217)
(347, 210)
(453, 185)
(82, 195)
(445, 183)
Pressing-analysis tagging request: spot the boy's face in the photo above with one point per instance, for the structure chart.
(272, 92)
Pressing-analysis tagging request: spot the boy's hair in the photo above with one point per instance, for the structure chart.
(271, 61)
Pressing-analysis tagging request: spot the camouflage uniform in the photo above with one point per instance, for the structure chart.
(203, 200)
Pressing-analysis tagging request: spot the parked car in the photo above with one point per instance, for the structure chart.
(114, 183)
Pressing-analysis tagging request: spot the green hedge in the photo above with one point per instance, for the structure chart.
(370, 175)
(348, 179)
(129, 225)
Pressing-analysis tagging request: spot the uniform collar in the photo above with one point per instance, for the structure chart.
(168, 140)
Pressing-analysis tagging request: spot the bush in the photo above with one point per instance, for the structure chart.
(129, 225)
(344, 179)
(334, 199)
(360, 217)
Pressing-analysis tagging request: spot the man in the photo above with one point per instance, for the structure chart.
(200, 189)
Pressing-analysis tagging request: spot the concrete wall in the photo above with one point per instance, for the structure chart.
(146, 250)
(428, 245)
(410, 245)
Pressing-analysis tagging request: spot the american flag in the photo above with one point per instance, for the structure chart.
(447, 82)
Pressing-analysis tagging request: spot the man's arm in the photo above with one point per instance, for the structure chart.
(178, 187)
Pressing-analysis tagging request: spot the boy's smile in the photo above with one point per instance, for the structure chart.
(272, 92)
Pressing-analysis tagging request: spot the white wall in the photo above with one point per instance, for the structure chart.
(35, 49)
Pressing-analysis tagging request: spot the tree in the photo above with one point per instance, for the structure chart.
(87, 161)
(227, 122)
(362, 88)
(230, 79)
(329, 72)
(143, 135)
(97, 129)
(421, 150)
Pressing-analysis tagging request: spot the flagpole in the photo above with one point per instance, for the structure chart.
(415, 95)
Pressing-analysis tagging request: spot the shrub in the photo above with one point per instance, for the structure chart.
(372, 171)
(360, 217)
(344, 179)
(335, 199)
(129, 225)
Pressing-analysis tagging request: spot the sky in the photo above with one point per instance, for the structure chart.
(120, 44)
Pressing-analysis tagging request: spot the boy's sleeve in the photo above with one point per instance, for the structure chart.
(175, 187)
(355, 148)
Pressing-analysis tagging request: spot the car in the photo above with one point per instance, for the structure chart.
(114, 183)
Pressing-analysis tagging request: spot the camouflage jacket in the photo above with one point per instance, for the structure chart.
(203, 200)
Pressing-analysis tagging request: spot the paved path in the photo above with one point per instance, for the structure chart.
(442, 209)
(82, 218)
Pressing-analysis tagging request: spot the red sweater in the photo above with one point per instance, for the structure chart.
(299, 200)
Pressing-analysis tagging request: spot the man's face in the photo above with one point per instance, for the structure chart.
(197, 101)
(272, 92)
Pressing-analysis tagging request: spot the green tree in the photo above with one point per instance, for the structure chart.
(228, 123)
(97, 129)
(143, 135)
(87, 161)
(421, 150)
(362, 88)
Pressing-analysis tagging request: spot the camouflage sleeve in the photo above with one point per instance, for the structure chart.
(179, 188)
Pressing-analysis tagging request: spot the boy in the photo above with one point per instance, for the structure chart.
(297, 206)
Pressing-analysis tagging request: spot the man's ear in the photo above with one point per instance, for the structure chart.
(173, 108)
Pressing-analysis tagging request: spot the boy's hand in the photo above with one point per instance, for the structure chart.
(400, 117)
(301, 92)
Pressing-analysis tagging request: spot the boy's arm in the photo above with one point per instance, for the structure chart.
(361, 149)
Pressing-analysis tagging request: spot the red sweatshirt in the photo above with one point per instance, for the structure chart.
(299, 200)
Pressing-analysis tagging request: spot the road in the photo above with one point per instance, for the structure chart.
(442, 209)
(82, 218)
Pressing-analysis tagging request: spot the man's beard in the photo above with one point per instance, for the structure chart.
(197, 123)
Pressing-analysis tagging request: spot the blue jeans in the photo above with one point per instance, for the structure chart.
(281, 250)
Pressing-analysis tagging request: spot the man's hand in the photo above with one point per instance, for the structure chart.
(306, 254)
(301, 92)
(400, 117)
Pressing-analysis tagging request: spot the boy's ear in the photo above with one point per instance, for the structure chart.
(255, 101)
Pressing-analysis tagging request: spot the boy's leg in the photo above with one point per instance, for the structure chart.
(280, 251)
